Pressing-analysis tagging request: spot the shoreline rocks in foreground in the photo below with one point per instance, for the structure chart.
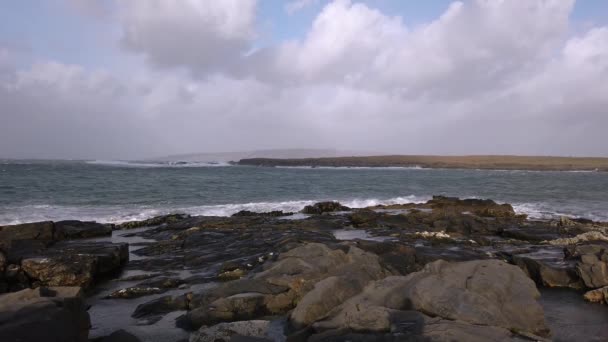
(445, 270)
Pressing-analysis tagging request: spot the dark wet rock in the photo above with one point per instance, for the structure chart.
(598, 295)
(364, 217)
(232, 271)
(3, 262)
(135, 292)
(534, 234)
(118, 336)
(81, 230)
(480, 207)
(162, 282)
(27, 231)
(155, 221)
(275, 213)
(236, 331)
(592, 263)
(487, 292)
(44, 314)
(162, 306)
(548, 267)
(324, 207)
(75, 264)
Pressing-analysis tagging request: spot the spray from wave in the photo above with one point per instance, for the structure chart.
(117, 214)
(143, 164)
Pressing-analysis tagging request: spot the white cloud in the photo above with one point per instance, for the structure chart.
(484, 77)
(195, 34)
(298, 5)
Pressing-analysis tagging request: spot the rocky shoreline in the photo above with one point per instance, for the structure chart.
(445, 270)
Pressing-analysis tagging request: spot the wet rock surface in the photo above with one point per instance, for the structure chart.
(444, 270)
(44, 314)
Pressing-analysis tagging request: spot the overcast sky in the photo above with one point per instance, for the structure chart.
(120, 79)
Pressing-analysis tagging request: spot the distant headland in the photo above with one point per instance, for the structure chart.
(484, 162)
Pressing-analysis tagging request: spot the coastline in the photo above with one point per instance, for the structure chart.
(282, 276)
(481, 162)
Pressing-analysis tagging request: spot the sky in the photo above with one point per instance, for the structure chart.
(120, 79)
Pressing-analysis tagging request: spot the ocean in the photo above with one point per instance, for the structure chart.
(117, 191)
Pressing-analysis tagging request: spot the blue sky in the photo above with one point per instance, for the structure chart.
(59, 30)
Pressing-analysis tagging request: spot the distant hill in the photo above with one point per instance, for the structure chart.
(274, 154)
(540, 163)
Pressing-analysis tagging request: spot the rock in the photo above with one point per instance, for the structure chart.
(28, 231)
(485, 292)
(162, 306)
(75, 265)
(598, 295)
(363, 217)
(3, 263)
(327, 294)
(230, 331)
(440, 330)
(324, 207)
(548, 267)
(282, 284)
(120, 336)
(162, 282)
(81, 230)
(155, 221)
(275, 213)
(242, 306)
(480, 207)
(134, 292)
(66, 270)
(592, 263)
(44, 314)
(584, 237)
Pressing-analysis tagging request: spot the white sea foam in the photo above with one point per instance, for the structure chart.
(135, 164)
(116, 214)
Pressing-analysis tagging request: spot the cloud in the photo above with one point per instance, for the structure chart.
(298, 5)
(194, 34)
(484, 77)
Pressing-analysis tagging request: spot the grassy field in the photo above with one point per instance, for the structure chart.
(448, 162)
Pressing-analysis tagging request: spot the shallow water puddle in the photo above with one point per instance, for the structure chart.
(358, 234)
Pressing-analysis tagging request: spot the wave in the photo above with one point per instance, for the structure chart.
(155, 164)
(308, 167)
(122, 213)
(117, 214)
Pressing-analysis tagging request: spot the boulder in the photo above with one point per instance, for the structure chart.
(483, 292)
(327, 294)
(44, 314)
(480, 207)
(162, 306)
(598, 295)
(275, 213)
(592, 263)
(75, 264)
(231, 331)
(282, 284)
(28, 231)
(324, 207)
(155, 221)
(119, 336)
(548, 267)
(81, 230)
